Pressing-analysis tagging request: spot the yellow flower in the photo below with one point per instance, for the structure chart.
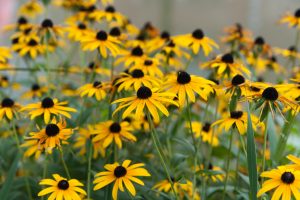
(145, 97)
(110, 131)
(214, 177)
(48, 28)
(291, 52)
(5, 54)
(31, 9)
(109, 15)
(101, 41)
(32, 47)
(61, 188)
(135, 56)
(284, 180)
(185, 85)
(292, 20)
(158, 42)
(77, 31)
(195, 41)
(149, 66)
(33, 148)
(47, 107)
(8, 108)
(122, 175)
(237, 33)
(96, 89)
(205, 132)
(35, 91)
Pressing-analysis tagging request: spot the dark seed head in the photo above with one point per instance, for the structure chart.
(227, 58)
(297, 13)
(210, 166)
(47, 23)
(287, 177)
(173, 179)
(115, 32)
(110, 9)
(171, 43)
(141, 37)
(237, 80)
(236, 114)
(148, 62)
(270, 94)
(293, 48)
(91, 8)
(273, 58)
(101, 35)
(91, 65)
(198, 34)
(165, 35)
(81, 26)
(7, 103)
(206, 127)
(52, 130)
(15, 40)
(97, 84)
(259, 41)
(35, 87)
(137, 73)
(22, 20)
(144, 92)
(47, 102)
(115, 127)
(63, 185)
(27, 31)
(32, 43)
(137, 51)
(183, 77)
(120, 171)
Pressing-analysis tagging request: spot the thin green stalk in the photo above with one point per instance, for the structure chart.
(45, 169)
(90, 153)
(64, 163)
(243, 144)
(160, 153)
(265, 145)
(228, 163)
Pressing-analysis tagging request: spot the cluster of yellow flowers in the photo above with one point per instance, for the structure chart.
(126, 84)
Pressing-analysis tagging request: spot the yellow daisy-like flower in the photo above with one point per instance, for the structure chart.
(96, 89)
(145, 97)
(109, 15)
(8, 108)
(226, 65)
(48, 28)
(32, 47)
(136, 78)
(284, 180)
(35, 91)
(31, 9)
(295, 160)
(158, 42)
(214, 177)
(33, 148)
(292, 20)
(122, 175)
(135, 56)
(205, 132)
(5, 54)
(185, 85)
(150, 66)
(110, 131)
(237, 33)
(47, 107)
(52, 135)
(61, 188)
(101, 41)
(195, 41)
(77, 31)
(291, 52)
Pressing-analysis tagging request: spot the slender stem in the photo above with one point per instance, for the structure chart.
(64, 163)
(228, 163)
(45, 169)
(265, 145)
(243, 144)
(90, 153)
(160, 153)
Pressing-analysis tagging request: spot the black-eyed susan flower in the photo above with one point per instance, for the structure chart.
(109, 14)
(205, 132)
(291, 52)
(135, 56)
(150, 66)
(292, 20)
(4, 82)
(196, 41)
(295, 160)
(31, 8)
(96, 89)
(61, 188)
(5, 54)
(237, 35)
(219, 175)
(117, 32)
(8, 108)
(47, 107)
(135, 79)
(33, 147)
(152, 99)
(101, 41)
(284, 180)
(32, 47)
(77, 31)
(185, 85)
(111, 131)
(48, 28)
(36, 91)
(158, 42)
(122, 175)
(226, 65)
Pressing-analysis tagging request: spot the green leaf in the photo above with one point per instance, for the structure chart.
(251, 158)
(5, 190)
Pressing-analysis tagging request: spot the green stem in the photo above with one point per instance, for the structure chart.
(45, 169)
(160, 153)
(64, 163)
(228, 163)
(265, 145)
(90, 153)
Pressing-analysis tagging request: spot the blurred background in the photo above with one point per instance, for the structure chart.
(183, 16)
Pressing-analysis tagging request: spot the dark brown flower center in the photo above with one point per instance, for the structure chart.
(137, 51)
(198, 34)
(81, 26)
(110, 9)
(32, 43)
(47, 23)
(52, 130)
(227, 58)
(35, 87)
(137, 73)
(144, 92)
(120, 171)
(210, 166)
(97, 84)
(115, 127)
(47, 102)
(259, 41)
(63, 185)
(183, 77)
(293, 49)
(22, 20)
(237, 80)
(115, 32)
(236, 114)
(287, 177)
(7, 103)
(273, 58)
(206, 127)
(165, 35)
(148, 62)
(270, 94)
(101, 35)
(297, 13)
